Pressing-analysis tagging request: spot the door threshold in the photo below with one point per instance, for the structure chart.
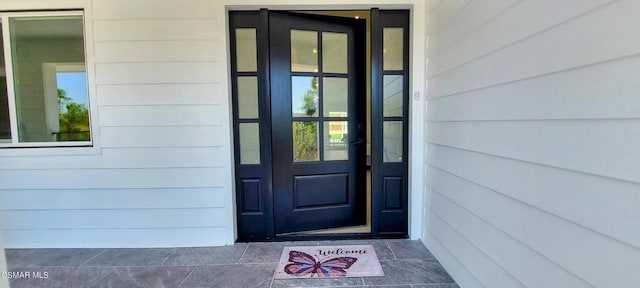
(358, 229)
(321, 237)
(340, 233)
(342, 230)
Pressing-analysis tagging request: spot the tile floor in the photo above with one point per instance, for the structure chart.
(407, 264)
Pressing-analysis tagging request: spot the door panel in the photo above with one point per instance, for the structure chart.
(389, 122)
(318, 122)
(249, 39)
(315, 191)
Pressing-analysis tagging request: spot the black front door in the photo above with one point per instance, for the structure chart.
(318, 121)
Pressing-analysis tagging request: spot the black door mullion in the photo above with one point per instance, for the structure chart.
(336, 75)
(320, 100)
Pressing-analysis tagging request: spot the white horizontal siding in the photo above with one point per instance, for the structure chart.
(154, 9)
(592, 33)
(145, 30)
(551, 189)
(104, 199)
(570, 144)
(168, 136)
(454, 267)
(113, 218)
(460, 228)
(552, 235)
(158, 94)
(534, 17)
(159, 174)
(470, 17)
(133, 238)
(183, 115)
(485, 268)
(157, 73)
(431, 5)
(573, 94)
(443, 12)
(532, 122)
(113, 178)
(113, 158)
(154, 51)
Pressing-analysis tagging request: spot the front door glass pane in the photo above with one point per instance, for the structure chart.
(304, 51)
(249, 143)
(392, 141)
(248, 97)
(335, 92)
(304, 96)
(305, 141)
(392, 95)
(334, 52)
(246, 50)
(336, 140)
(392, 49)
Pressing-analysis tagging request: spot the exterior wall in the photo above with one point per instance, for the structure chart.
(533, 128)
(160, 173)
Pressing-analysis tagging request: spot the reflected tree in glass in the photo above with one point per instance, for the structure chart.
(305, 133)
(74, 119)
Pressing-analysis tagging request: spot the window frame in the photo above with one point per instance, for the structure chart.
(80, 147)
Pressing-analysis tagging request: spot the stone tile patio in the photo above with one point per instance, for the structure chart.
(407, 264)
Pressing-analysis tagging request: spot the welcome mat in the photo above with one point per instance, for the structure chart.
(328, 261)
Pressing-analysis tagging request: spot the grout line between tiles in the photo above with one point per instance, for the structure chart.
(189, 274)
(173, 251)
(111, 270)
(392, 253)
(245, 251)
(94, 256)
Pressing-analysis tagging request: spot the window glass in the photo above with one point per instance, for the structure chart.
(335, 97)
(334, 52)
(392, 141)
(392, 50)
(392, 95)
(305, 141)
(249, 143)
(304, 51)
(304, 96)
(246, 50)
(5, 126)
(248, 97)
(336, 140)
(51, 95)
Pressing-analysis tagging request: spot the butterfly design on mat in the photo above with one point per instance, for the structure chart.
(304, 264)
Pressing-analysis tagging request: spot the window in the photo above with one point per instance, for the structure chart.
(44, 98)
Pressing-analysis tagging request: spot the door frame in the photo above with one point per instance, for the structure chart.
(417, 89)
